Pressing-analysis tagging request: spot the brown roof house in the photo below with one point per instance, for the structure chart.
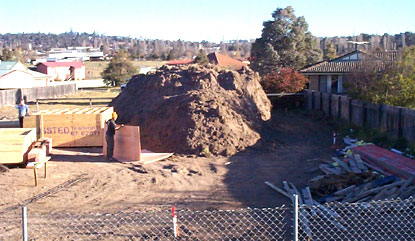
(329, 76)
(225, 61)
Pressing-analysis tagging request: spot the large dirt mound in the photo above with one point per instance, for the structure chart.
(193, 109)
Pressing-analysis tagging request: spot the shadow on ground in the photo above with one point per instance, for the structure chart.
(82, 154)
(291, 144)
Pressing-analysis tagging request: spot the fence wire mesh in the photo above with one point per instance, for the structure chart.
(378, 220)
(11, 225)
(245, 224)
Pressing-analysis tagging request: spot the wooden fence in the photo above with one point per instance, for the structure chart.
(12, 97)
(394, 120)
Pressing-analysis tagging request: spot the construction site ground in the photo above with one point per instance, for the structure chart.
(81, 180)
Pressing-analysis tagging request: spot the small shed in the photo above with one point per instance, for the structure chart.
(78, 127)
(15, 144)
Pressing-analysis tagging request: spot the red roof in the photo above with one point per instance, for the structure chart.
(225, 61)
(63, 64)
(179, 61)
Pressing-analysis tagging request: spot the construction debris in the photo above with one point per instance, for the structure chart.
(344, 180)
(195, 109)
(376, 175)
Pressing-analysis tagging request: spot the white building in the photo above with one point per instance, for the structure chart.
(14, 74)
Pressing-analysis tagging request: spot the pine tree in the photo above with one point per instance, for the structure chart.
(285, 43)
(201, 58)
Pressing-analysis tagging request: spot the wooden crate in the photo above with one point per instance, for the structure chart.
(15, 144)
(71, 127)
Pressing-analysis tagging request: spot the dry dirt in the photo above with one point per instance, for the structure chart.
(195, 109)
(286, 152)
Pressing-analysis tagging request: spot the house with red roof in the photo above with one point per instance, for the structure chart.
(225, 61)
(63, 70)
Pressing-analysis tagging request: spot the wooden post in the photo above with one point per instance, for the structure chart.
(37, 105)
(39, 126)
(35, 172)
(400, 120)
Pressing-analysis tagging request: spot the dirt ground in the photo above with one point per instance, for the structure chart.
(81, 180)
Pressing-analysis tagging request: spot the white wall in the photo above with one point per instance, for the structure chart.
(16, 79)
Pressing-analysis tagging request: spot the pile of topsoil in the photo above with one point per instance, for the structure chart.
(195, 109)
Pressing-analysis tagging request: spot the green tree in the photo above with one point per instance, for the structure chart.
(398, 83)
(285, 42)
(119, 69)
(395, 85)
(202, 58)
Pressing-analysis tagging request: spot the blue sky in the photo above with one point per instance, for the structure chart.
(212, 20)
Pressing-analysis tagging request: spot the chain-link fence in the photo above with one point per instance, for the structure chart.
(244, 224)
(379, 220)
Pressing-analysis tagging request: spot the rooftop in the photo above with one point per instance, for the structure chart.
(351, 62)
(6, 66)
(75, 64)
(225, 61)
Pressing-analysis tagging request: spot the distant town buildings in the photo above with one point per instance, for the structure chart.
(72, 54)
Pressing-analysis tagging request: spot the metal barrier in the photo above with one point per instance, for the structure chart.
(378, 220)
(75, 98)
(244, 224)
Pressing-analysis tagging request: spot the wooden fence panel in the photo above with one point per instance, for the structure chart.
(325, 103)
(390, 120)
(345, 108)
(10, 97)
(395, 121)
(335, 110)
(408, 124)
(373, 115)
(317, 101)
(357, 113)
(309, 99)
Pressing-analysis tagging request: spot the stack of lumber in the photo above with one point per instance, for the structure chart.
(352, 180)
(314, 208)
(15, 144)
(76, 127)
(384, 159)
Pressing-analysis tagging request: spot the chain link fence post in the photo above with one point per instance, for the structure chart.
(295, 217)
(24, 223)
